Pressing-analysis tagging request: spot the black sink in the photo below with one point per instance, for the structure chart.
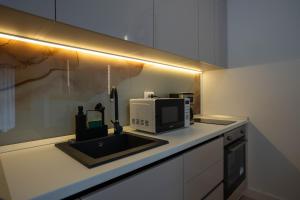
(95, 152)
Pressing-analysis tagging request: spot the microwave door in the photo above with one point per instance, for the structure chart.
(169, 114)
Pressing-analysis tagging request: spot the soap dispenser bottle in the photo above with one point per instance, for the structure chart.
(80, 123)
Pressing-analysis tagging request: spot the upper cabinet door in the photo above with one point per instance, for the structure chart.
(212, 24)
(176, 27)
(43, 8)
(221, 32)
(206, 20)
(126, 19)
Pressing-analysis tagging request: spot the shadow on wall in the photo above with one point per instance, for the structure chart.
(263, 31)
(270, 163)
(270, 96)
(263, 83)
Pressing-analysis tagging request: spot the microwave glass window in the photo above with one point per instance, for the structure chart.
(169, 114)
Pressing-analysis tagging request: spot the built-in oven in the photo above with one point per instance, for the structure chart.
(234, 160)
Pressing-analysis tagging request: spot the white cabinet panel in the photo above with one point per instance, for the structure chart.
(206, 20)
(212, 22)
(176, 27)
(199, 159)
(221, 33)
(162, 182)
(191, 176)
(203, 169)
(126, 19)
(202, 184)
(43, 8)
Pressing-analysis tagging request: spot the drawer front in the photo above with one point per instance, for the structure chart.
(201, 185)
(162, 182)
(217, 194)
(198, 160)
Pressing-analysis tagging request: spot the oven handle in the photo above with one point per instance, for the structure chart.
(238, 146)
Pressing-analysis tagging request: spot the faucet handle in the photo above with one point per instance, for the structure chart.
(118, 129)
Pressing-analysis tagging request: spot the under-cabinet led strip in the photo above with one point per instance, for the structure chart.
(98, 53)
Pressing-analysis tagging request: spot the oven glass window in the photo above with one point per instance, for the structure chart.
(169, 114)
(235, 166)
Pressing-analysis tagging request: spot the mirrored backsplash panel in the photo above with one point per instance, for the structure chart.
(41, 87)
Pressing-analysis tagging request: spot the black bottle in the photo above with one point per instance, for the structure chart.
(80, 123)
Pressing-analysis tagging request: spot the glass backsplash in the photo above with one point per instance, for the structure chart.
(41, 87)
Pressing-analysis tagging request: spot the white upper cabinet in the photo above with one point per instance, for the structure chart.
(130, 20)
(192, 28)
(175, 27)
(206, 30)
(212, 31)
(43, 8)
(221, 33)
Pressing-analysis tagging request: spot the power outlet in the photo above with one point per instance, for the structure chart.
(148, 94)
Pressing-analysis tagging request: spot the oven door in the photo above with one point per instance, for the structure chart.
(234, 166)
(169, 114)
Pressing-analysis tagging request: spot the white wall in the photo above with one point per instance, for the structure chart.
(263, 83)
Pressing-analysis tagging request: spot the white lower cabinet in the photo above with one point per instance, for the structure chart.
(162, 182)
(191, 176)
(203, 169)
(199, 186)
(201, 158)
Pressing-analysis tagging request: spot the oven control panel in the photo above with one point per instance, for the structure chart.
(235, 134)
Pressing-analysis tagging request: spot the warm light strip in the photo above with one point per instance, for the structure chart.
(97, 53)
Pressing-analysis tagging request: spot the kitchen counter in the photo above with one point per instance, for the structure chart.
(45, 172)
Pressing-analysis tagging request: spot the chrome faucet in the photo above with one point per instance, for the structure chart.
(118, 129)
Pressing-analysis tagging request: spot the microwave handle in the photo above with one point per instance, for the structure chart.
(238, 146)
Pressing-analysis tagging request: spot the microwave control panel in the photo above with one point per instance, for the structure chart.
(187, 112)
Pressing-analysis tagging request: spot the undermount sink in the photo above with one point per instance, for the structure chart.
(98, 151)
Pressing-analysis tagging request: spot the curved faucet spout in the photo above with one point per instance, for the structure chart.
(114, 96)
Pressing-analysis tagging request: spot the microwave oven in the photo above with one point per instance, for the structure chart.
(158, 115)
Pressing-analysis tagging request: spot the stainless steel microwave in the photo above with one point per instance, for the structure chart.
(158, 115)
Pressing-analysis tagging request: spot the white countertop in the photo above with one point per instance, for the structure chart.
(45, 172)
